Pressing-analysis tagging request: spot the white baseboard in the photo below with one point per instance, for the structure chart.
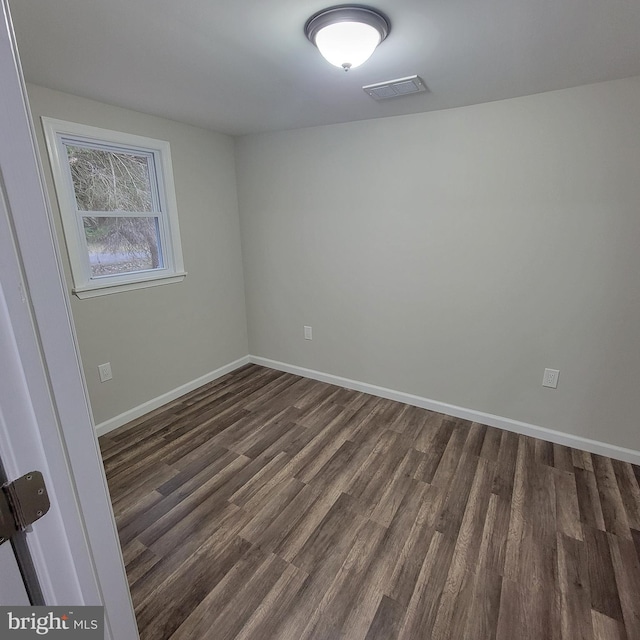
(155, 403)
(559, 437)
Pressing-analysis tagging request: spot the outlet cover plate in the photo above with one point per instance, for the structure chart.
(105, 371)
(550, 378)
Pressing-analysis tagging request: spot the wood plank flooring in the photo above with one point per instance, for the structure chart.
(265, 506)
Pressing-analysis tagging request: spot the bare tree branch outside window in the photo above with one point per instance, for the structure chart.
(108, 181)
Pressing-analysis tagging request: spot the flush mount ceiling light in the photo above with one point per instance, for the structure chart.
(347, 35)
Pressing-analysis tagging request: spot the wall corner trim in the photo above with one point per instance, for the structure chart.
(165, 398)
(524, 428)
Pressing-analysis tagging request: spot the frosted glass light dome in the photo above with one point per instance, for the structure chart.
(347, 44)
(347, 35)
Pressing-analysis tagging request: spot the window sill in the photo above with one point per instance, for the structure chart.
(93, 291)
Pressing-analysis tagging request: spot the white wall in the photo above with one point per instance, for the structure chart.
(456, 254)
(160, 338)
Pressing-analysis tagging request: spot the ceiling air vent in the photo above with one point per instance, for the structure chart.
(395, 88)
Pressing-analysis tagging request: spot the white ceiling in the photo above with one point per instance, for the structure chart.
(244, 66)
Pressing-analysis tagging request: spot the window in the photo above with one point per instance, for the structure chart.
(118, 208)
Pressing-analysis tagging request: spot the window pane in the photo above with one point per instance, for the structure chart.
(120, 245)
(110, 181)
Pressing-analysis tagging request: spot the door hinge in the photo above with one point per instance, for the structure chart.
(22, 502)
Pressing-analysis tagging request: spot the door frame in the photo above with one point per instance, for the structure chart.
(75, 547)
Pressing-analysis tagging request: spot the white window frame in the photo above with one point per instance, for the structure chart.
(85, 285)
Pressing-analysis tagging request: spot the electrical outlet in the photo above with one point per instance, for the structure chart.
(105, 371)
(307, 333)
(550, 378)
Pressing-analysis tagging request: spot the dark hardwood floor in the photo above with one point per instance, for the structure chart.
(266, 506)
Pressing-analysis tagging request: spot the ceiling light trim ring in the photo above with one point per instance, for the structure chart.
(347, 13)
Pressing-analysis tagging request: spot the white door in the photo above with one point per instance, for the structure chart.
(15, 559)
(12, 591)
(46, 419)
